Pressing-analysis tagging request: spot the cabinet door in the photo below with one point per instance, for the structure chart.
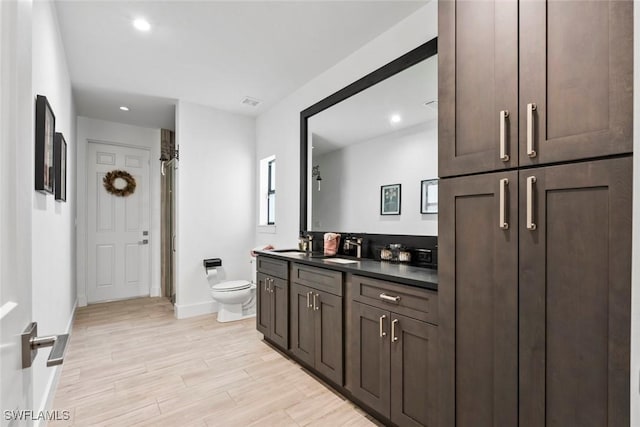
(263, 308)
(576, 66)
(328, 335)
(478, 301)
(279, 312)
(371, 358)
(302, 323)
(477, 79)
(414, 369)
(575, 291)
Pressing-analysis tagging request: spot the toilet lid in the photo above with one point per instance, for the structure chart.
(232, 285)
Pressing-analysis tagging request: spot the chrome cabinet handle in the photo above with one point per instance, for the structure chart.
(389, 298)
(381, 322)
(315, 302)
(394, 322)
(503, 135)
(309, 299)
(531, 152)
(530, 224)
(503, 205)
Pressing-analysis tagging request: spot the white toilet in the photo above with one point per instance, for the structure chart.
(236, 298)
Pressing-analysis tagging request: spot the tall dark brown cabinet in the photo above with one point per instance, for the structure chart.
(535, 142)
(565, 92)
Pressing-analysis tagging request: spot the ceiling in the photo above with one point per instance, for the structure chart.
(213, 53)
(367, 115)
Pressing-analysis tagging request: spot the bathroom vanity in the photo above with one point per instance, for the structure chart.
(367, 328)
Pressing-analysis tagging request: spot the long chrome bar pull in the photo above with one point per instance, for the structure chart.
(530, 224)
(531, 152)
(381, 323)
(504, 156)
(503, 204)
(394, 337)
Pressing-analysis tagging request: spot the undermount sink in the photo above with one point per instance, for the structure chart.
(316, 255)
(341, 260)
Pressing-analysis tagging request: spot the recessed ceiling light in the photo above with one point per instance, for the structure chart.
(395, 118)
(141, 24)
(123, 108)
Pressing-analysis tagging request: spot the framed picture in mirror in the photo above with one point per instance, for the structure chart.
(429, 196)
(44, 130)
(390, 199)
(60, 166)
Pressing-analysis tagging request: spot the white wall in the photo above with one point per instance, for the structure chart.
(349, 199)
(216, 204)
(53, 228)
(119, 134)
(278, 129)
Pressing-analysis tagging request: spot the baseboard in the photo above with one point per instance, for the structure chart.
(182, 311)
(52, 385)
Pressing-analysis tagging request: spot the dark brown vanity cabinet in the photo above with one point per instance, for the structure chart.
(392, 357)
(530, 83)
(534, 296)
(316, 319)
(272, 311)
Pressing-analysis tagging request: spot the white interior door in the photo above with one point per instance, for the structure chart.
(16, 190)
(117, 227)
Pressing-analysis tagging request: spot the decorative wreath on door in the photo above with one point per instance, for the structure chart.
(111, 179)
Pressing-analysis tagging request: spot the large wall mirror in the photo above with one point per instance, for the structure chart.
(369, 153)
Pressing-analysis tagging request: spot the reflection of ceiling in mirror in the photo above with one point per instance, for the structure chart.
(411, 95)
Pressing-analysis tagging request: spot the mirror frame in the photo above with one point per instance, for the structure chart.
(419, 54)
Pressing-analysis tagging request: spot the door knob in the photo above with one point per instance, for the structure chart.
(31, 342)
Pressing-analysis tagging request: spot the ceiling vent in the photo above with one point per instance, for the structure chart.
(432, 104)
(251, 102)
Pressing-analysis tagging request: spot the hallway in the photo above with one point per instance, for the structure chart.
(131, 362)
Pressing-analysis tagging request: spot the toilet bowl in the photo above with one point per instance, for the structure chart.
(236, 300)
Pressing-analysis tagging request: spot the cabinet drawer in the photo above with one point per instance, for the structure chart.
(410, 301)
(318, 278)
(273, 267)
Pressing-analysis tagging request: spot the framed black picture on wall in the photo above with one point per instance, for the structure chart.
(390, 199)
(60, 163)
(44, 131)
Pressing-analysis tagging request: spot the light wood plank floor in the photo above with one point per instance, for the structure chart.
(132, 363)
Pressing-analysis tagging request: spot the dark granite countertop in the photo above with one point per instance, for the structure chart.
(401, 273)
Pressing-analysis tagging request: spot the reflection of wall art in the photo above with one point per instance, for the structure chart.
(45, 129)
(429, 196)
(390, 199)
(60, 162)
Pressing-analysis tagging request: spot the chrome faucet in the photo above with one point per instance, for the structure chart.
(349, 242)
(307, 243)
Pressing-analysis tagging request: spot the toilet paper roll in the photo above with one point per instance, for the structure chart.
(212, 276)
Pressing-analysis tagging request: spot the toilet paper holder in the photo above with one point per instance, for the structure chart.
(211, 263)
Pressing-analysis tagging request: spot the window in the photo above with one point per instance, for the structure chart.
(267, 203)
(271, 193)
